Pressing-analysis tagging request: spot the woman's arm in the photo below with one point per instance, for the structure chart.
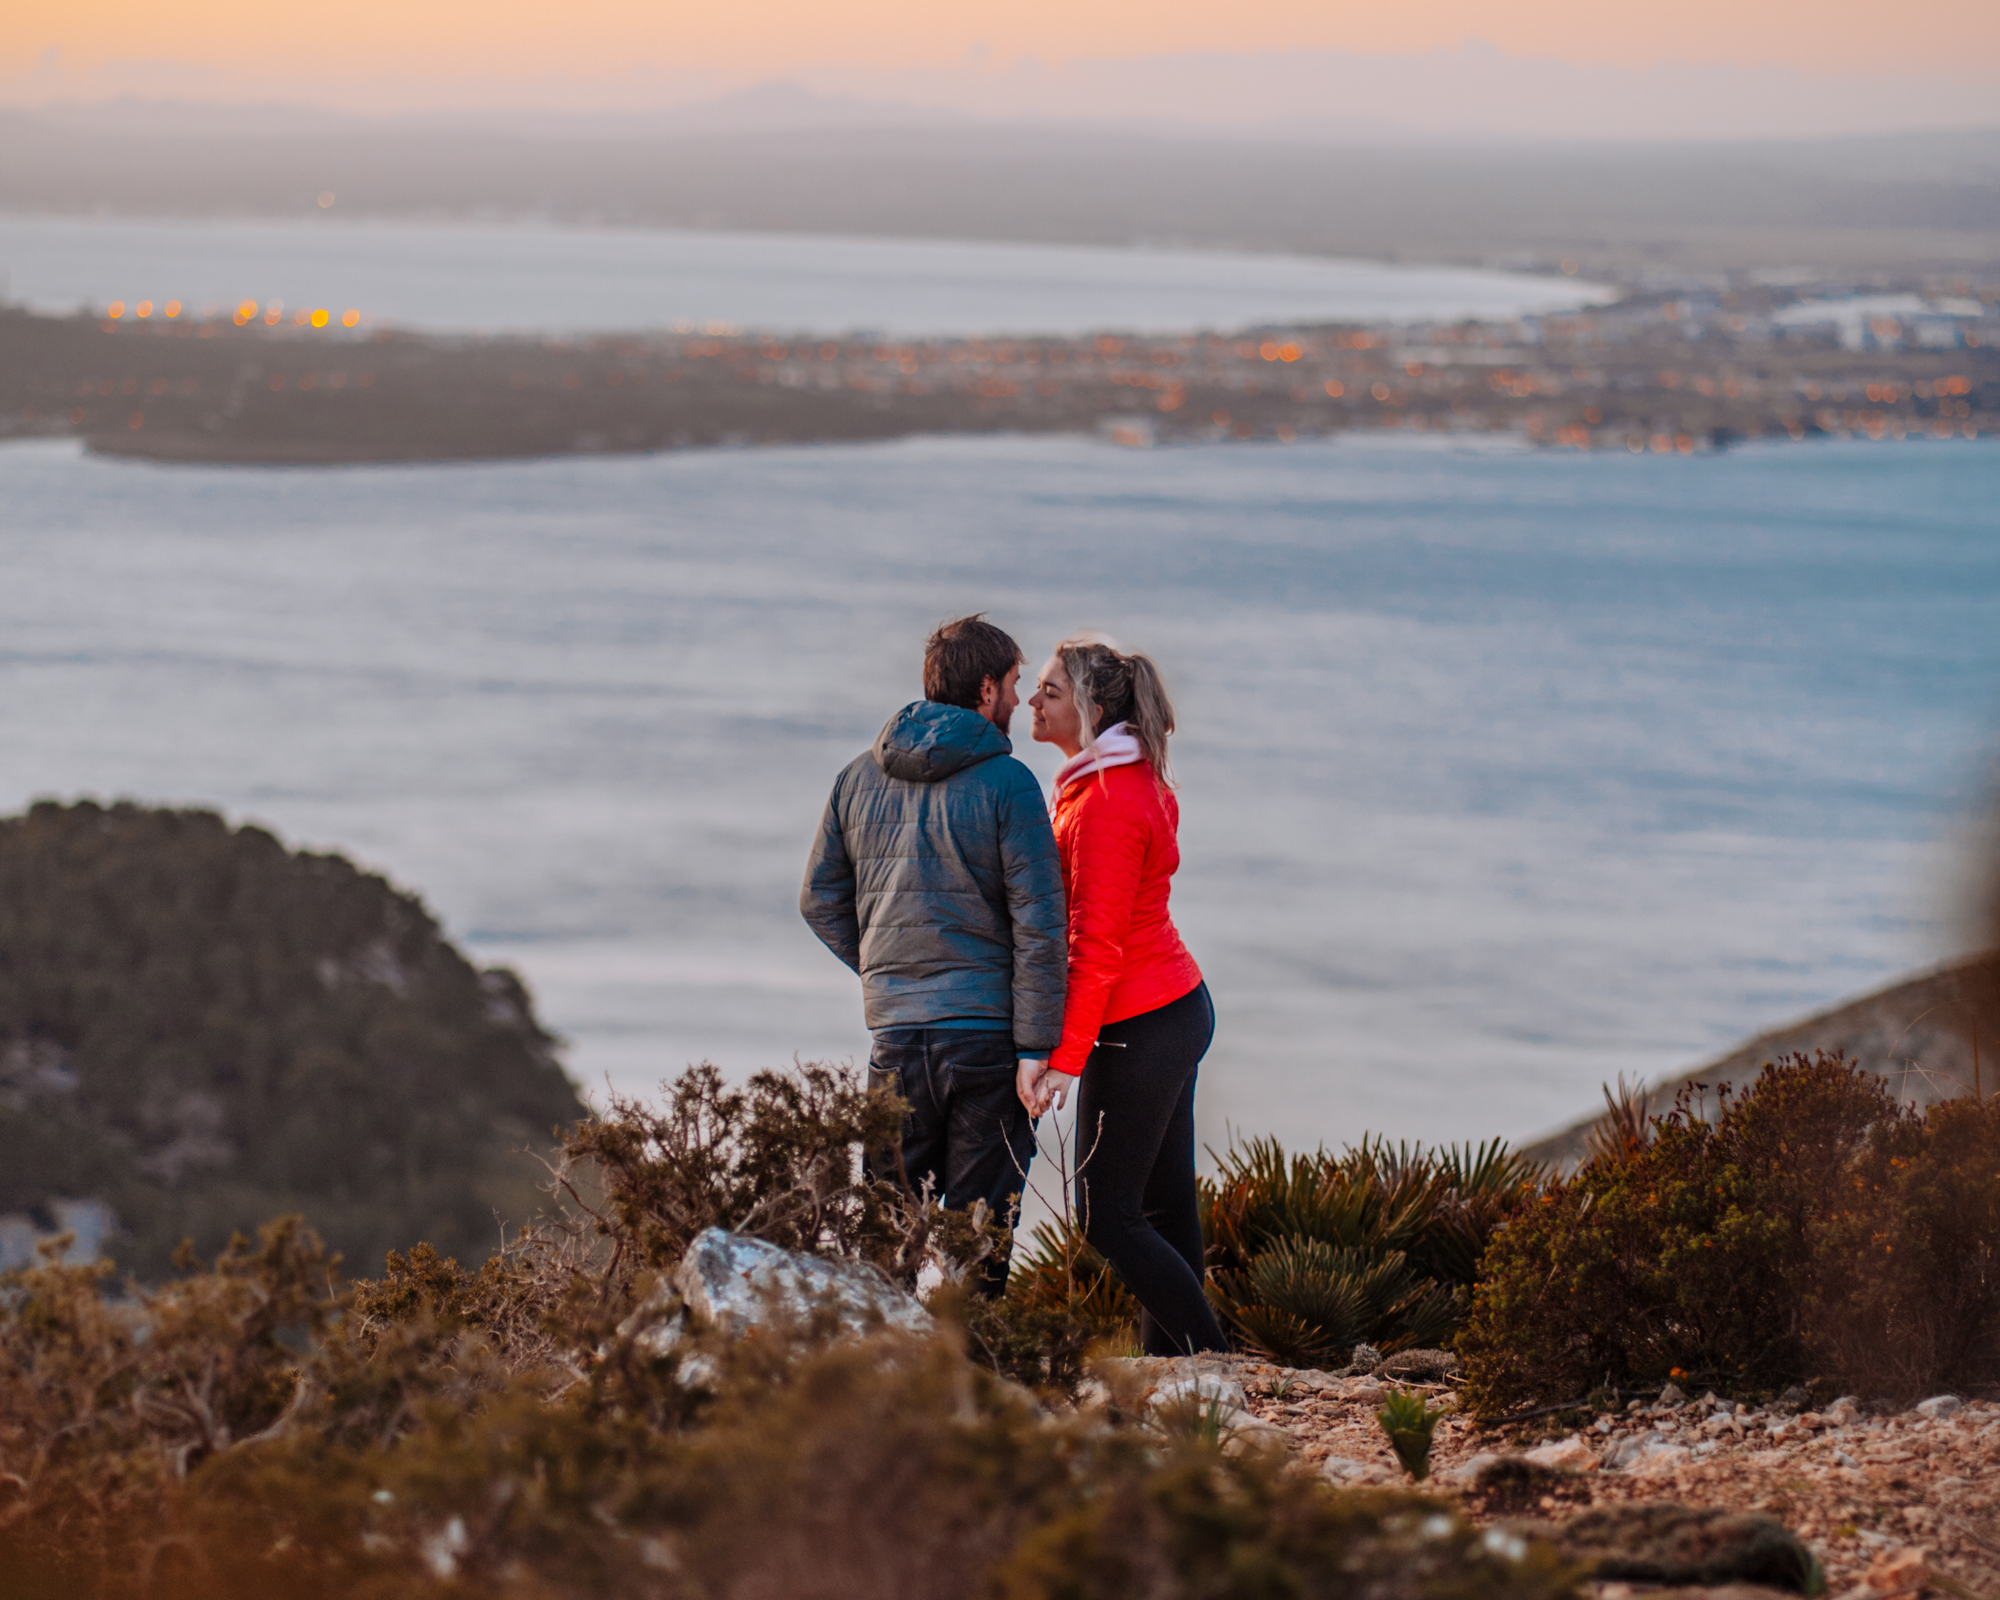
(1107, 861)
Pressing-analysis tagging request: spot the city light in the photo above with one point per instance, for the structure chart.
(144, 308)
(171, 309)
(115, 310)
(320, 318)
(350, 318)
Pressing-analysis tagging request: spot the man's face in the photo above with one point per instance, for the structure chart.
(998, 700)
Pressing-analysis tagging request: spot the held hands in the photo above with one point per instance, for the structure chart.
(1039, 1088)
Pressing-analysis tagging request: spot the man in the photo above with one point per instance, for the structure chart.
(935, 877)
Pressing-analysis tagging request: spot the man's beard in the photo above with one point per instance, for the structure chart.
(1002, 715)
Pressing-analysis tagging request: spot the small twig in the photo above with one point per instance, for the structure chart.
(1973, 1534)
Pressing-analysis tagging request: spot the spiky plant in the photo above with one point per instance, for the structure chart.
(1312, 1254)
(1408, 1419)
(1627, 1124)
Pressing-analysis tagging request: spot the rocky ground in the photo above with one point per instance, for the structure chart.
(1891, 1502)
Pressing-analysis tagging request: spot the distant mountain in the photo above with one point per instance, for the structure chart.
(201, 1029)
(1918, 1033)
(788, 159)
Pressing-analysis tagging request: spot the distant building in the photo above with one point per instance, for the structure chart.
(1884, 321)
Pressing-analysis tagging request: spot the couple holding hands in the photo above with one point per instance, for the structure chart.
(1014, 951)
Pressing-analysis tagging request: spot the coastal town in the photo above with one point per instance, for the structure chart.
(1675, 365)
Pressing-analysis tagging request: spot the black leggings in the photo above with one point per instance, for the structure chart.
(1136, 1195)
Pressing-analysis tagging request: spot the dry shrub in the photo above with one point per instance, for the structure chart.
(777, 1159)
(1910, 1276)
(1814, 1229)
(251, 1429)
(107, 1406)
(886, 1467)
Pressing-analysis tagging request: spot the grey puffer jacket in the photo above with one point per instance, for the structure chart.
(935, 876)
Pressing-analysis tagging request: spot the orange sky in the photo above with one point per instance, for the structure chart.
(222, 47)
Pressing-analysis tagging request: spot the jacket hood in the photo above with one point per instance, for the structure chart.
(926, 742)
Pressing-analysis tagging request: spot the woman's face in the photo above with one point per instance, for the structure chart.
(1055, 720)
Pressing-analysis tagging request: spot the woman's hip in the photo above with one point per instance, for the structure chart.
(1175, 1035)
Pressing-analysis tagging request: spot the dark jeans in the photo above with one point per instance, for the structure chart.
(1136, 1195)
(967, 1133)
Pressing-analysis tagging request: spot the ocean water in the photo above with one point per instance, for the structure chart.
(1503, 771)
(516, 276)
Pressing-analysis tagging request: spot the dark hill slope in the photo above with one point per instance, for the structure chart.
(202, 1029)
(1918, 1033)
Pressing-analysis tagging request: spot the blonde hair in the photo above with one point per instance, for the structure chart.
(1110, 687)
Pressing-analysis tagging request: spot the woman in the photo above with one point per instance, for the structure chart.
(1137, 1019)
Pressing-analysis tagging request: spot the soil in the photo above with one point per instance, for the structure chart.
(1891, 1502)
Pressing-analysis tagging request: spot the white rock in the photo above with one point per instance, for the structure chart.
(1243, 1433)
(1201, 1388)
(1645, 1454)
(1344, 1470)
(736, 1284)
(1571, 1453)
(1940, 1406)
(1468, 1471)
(1661, 1458)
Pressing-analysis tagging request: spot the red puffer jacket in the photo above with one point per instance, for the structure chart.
(1116, 831)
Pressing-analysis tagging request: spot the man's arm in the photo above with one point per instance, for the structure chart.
(827, 900)
(1033, 875)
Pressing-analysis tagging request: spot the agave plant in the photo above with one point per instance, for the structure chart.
(1311, 1254)
(1058, 1269)
(1409, 1421)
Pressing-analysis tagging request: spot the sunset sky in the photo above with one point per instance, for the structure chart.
(402, 54)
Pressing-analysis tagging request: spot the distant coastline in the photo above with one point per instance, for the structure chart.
(1663, 371)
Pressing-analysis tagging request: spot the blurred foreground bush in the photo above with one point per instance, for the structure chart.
(1810, 1230)
(252, 1428)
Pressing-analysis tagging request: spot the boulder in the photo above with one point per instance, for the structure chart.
(1349, 1473)
(1199, 1389)
(1940, 1406)
(1644, 1453)
(1468, 1471)
(736, 1284)
(1571, 1453)
(1685, 1545)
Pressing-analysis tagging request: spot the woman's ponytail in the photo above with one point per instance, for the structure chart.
(1111, 687)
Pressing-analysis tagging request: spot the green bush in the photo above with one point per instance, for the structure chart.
(1310, 1255)
(1812, 1229)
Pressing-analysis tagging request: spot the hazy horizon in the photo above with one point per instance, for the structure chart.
(1469, 91)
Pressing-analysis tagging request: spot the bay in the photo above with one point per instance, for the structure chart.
(526, 277)
(1503, 771)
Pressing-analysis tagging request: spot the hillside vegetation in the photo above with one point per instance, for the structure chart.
(203, 1029)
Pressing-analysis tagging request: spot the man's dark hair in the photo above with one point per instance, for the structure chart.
(962, 655)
